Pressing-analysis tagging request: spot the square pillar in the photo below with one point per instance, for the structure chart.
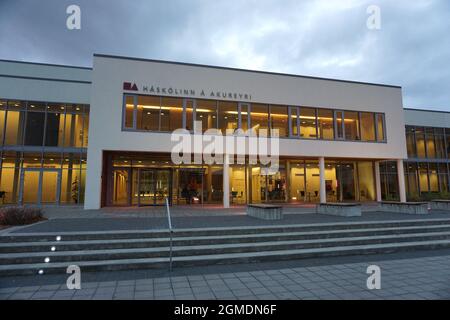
(323, 191)
(401, 180)
(226, 181)
(378, 181)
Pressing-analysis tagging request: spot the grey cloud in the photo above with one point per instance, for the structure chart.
(320, 38)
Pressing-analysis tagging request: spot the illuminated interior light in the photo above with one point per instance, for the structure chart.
(58, 238)
(53, 249)
(41, 272)
(47, 260)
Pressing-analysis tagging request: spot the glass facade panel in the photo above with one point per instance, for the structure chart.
(206, 113)
(366, 181)
(351, 126)
(279, 120)
(381, 127)
(339, 125)
(129, 112)
(431, 147)
(148, 110)
(34, 130)
(326, 124)
(228, 116)
(308, 123)
(259, 117)
(411, 142)
(368, 126)
(420, 143)
(171, 114)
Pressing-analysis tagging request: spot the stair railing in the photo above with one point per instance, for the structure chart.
(169, 220)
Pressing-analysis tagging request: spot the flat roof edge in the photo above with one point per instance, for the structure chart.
(425, 110)
(242, 70)
(46, 64)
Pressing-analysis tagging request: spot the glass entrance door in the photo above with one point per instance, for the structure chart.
(121, 189)
(151, 187)
(147, 188)
(40, 186)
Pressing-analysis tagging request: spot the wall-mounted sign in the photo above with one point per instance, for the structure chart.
(187, 92)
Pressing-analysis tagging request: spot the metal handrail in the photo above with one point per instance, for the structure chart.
(169, 219)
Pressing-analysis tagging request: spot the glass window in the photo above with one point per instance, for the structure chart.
(339, 125)
(228, 116)
(326, 124)
(129, 111)
(381, 129)
(433, 176)
(423, 177)
(189, 114)
(206, 113)
(73, 130)
(259, 117)
(420, 143)
(368, 126)
(351, 126)
(15, 123)
(294, 113)
(443, 177)
(2, 119)
(410, 142)
(440, 145)
(34, 132)
(279, 120)
(148, 109)
(171, 114)
(308, 121)
(448, 143)
(431, 147)
(244, 109)
(54, 130)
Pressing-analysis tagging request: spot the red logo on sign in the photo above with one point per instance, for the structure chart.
(128, 86)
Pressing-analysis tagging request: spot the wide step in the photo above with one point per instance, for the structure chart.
(125, 250)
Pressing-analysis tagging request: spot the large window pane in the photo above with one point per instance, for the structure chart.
(279, 120)
(411, 142)
(368, 126)
(351, 126)
(206, 113)
(433, 176)
(171, 114)
(339, 125)
(308, 123)
(14, 128)
(326, 124)
(259, 117)
(148, 109)
(431, 147)
(228, 116)
(420, 143)
(423, 177)
(244, 117)
(54, 130)
(129, 111)
(73, 132)
(381, 129)
(189, 113)
(2, 119)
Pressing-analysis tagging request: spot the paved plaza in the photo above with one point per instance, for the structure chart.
(420, 278)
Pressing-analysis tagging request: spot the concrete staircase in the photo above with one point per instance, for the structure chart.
(22, 254)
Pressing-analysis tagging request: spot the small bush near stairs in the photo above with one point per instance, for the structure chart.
(19, 216)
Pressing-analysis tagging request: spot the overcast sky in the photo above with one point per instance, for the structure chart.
(319, 38)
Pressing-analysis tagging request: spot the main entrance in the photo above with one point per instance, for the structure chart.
(39, 186)
(140, 187)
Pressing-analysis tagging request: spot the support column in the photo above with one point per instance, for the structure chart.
(226, 181)
(401, 180)
(378, 181)
(323, 191)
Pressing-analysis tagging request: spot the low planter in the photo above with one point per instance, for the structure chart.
(443, 205)
(414, 208)
(265, 211)
(340, 209)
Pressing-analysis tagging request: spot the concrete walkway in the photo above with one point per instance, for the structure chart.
(411, 279)
(108, 223)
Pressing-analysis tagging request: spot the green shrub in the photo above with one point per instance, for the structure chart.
(414, 197)
(445, 195)
(429, 196)
(19, 216)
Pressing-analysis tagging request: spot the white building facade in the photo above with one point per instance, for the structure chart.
(340, 141)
